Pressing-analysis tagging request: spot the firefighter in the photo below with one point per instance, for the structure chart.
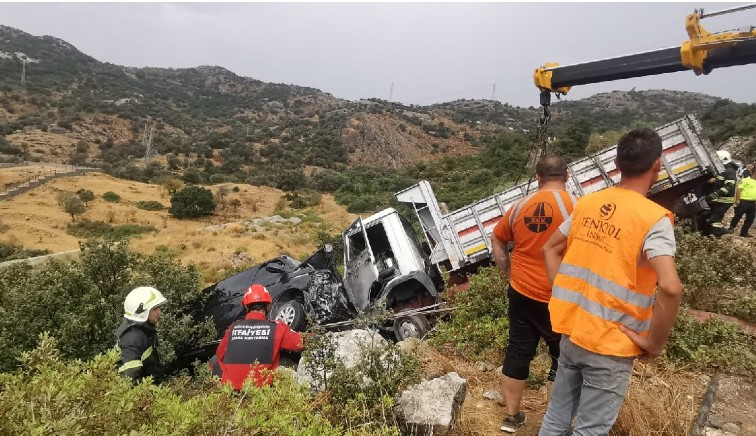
(528, 224)
(723, 195)
(615, 291)
(137, 335)
(252, 345)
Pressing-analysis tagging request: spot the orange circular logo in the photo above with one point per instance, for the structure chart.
(538, 217)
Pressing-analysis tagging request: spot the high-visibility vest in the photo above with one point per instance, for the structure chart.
(748, 189)
(604, 279)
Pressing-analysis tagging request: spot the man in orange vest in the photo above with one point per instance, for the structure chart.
(528, 224)
(615, 291)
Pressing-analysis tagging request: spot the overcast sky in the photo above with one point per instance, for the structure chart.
(432, 52)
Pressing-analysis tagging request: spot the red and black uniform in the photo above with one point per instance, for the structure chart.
(252, 345)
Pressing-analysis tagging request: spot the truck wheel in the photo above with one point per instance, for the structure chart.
(291, 313)
(410, 326)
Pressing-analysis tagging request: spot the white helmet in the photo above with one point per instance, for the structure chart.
(138, 303)
(724, 156)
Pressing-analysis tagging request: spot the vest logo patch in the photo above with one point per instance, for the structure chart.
(607, 211)
(538, 217)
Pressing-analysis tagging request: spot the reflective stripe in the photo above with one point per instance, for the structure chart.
(560, 203)
(131, 364)
(147, 353)
(615, 290)
(600, 311)
(518, 207)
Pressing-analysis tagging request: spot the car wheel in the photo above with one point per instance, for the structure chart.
(410, 326)
(291, 313)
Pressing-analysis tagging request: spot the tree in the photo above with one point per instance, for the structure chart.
(74, 206)
(235, 203)
(85, 195)
(575, 138)
(172, 186)
(192, 202)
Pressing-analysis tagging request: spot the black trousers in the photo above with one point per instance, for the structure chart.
(747, 208)
(718, 211)
(528, 322)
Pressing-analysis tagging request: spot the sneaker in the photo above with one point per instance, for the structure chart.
(512, 423)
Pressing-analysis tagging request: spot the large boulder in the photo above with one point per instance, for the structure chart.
(430, 407)
(348, 346)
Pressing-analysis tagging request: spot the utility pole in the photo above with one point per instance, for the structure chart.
(493, 92)
(23, 71)
(148, 152)
(391, 93)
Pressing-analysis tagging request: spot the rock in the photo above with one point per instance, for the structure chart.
(484, 366)
(715, 421)
(295, 221)
(492, 394)
(731, 427)
(348, 347)
(276, 219)
(26, 218)
(708, 431)
(430, 407)
(500, 369)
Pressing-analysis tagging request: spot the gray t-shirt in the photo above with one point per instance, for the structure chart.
(659, 241)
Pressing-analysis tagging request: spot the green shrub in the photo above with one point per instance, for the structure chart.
(111, 197)
(55, 396)
(150, 205)
(101, 229)
(81, 303)
(13, 252)
(719, 275)
(361, 397)
(479, 325)
(85, 195)
(304, 198)
(192, 202)
(711, 344)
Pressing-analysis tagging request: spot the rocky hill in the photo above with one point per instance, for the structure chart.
(211, 122)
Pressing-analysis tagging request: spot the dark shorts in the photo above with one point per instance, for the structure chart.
(529, 321)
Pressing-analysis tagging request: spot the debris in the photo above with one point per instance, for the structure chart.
(430, 407)
(484, 366)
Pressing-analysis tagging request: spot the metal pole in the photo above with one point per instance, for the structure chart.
(728, 11)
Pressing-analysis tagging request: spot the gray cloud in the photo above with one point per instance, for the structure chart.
(431, 52)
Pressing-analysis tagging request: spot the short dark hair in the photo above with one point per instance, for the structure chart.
(258, 306)
(551, 167)
(637, 151)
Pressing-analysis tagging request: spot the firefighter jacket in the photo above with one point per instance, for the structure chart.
(137, 342)
(604, 279)
(724, 189)
(252, 346)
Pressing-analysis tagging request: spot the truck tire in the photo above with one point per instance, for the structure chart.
(291, 313)
(411, 326)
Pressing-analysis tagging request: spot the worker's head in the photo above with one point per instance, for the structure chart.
(639, 155)
(551, 168)
(257, 299)
(143, 305)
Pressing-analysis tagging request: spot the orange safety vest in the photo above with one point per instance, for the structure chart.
(604, 279)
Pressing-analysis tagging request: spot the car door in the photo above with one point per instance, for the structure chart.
(360, 271)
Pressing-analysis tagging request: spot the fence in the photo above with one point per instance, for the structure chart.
(42, 176)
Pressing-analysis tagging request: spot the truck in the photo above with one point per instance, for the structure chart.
(460, 240)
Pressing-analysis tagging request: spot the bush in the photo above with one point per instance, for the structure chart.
(304, 198)
(111, 197)
(13, 252)
(718, 274)
(88, 397)
(74, 206)
(150, 205)
(101, 229)
(480, 324)
(192, 202)
(711, 344)
(81, 303)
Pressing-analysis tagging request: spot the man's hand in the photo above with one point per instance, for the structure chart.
(651, 351)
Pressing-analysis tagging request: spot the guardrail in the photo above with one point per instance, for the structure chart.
(44, 175)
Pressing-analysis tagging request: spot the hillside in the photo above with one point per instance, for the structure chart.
(210, 125)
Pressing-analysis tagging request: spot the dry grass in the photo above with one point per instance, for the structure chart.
(36, 221)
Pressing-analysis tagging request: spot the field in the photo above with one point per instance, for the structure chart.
(35, 220)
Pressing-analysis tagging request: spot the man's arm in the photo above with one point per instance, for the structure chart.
(667, 302)
(501, 256)
(221, 350)
(292, 341)
(553, 253)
